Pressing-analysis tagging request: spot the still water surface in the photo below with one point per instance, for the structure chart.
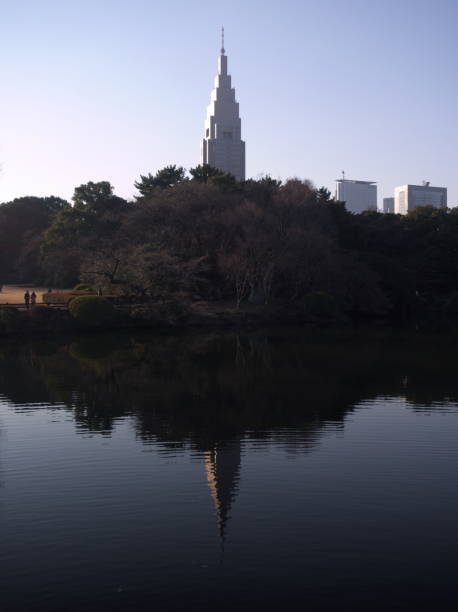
(229, 472)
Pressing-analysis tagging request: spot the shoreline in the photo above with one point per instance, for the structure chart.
(48, 321)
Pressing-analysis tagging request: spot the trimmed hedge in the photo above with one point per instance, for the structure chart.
(91, 310)
(9, 319)
(63, 296)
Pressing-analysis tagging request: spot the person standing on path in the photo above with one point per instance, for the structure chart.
(33, 298)
(27, 298)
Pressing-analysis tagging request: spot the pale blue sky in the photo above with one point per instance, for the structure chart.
(108, 89)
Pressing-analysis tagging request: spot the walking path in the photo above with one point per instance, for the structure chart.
(14, 294)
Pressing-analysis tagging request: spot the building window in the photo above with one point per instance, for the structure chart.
(227, 135)
(427, 197)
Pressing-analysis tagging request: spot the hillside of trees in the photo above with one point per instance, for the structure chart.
(206, 236)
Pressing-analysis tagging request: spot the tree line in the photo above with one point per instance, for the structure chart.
(207, 236)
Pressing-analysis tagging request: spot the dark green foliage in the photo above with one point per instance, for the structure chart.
(94, 219)
(23, 223)
(163, 179)
(91, 310)
(205, 173)
(262, 240)
(94, 199)
(9, 319)
(225, 182)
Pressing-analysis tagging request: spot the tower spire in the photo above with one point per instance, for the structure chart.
(222, 145)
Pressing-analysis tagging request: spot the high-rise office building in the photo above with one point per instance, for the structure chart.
(388, 205)
(408, 197)
(357, 195)
(222, 146)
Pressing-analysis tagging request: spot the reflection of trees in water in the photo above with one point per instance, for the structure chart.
(211, 392)
(206, 388)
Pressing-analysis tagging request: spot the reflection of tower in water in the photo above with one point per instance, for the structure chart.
(222, 466)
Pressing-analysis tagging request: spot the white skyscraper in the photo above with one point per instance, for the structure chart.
(222, 146)
(408, 197)
(357, 195)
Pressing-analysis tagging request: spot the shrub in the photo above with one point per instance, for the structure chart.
(83, 287)
(91, 310)
(9, 319)
(64, 296)
(320, 304)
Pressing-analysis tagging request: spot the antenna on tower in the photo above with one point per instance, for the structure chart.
(223, 50)
(343, 175)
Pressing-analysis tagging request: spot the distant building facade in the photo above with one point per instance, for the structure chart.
(222, 146)
(388, 205)
(357, 195)
(408, 197)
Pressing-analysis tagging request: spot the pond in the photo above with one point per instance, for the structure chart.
(229, 471)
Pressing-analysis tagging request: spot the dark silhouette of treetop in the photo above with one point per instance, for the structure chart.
(163, 179)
